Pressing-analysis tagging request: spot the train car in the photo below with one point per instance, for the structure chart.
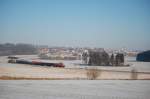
(35, 62)
(47, 64)
(23, 61)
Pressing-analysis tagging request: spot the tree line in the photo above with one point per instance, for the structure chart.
(102, 58)
(17, 49)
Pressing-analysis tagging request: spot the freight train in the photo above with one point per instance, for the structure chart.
(34, 62)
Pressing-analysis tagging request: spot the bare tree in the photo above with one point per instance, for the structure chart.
(119, 60)
(85, 57)
(93, 74)
(98, 58)
(134, 74)
(112, 59)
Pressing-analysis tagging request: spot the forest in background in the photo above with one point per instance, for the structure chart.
(17, 49)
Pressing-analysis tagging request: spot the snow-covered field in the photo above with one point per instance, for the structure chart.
(139, 66)
(72, 70)
(75, 89)
(71, 89)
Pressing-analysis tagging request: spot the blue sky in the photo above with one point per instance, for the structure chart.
(81, 23)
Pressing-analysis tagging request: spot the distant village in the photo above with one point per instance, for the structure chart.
(69, 53)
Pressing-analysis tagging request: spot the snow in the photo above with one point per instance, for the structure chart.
(74, 89)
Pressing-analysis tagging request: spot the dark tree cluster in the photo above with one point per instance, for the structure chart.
(119, 60)
(143, 56)
(103, 58)
(98, 58)
(17, 49)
